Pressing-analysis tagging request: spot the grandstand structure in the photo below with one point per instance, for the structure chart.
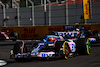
(31, 12)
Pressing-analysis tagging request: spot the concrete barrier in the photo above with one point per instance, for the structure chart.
(37, 32)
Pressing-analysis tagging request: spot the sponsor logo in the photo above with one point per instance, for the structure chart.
(22, 55)
(67, 34)
(46, 54)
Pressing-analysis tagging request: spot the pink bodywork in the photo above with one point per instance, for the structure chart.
(4, 34)
(45, 53)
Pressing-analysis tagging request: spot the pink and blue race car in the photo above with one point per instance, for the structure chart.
(57, 45)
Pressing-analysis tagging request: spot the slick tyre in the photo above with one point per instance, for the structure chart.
(66, 49)
(83, 46)
(58, 46)
(19, 48)
(63, 49)
(14, 35)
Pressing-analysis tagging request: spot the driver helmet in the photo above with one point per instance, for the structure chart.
(51, 38)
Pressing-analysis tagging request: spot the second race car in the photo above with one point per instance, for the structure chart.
(4, 35)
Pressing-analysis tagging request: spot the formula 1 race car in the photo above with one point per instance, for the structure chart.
(8, 36)
(53, 46)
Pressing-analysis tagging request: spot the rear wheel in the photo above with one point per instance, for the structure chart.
(88, 47)
(83, 46)
(14, 35)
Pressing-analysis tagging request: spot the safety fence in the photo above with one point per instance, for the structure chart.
(54, 15)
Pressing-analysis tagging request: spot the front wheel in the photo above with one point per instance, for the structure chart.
(66, 49)
(83, 46)
(19, 48)
(62, 48)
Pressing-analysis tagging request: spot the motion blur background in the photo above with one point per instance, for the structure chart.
(57, 12)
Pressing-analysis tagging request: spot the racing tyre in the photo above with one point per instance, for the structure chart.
(19, 48)
(62, 48)
(83, 46)
(66, 49)
(14, 35)
(58, 46)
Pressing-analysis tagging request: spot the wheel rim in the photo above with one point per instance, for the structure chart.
(65, 49)
(88, 46)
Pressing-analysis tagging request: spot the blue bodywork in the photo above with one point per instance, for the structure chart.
(45, 38)
(39, 46)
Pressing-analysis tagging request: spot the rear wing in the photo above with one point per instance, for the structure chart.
(68, 34)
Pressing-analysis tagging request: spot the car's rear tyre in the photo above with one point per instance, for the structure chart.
(83, 46)
(14, 35)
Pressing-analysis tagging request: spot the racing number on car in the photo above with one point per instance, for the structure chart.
(73, 47)
(47, 54)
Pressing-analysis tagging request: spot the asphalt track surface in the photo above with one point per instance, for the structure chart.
(92, 60)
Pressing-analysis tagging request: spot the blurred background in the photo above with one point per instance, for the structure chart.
(56, 12)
